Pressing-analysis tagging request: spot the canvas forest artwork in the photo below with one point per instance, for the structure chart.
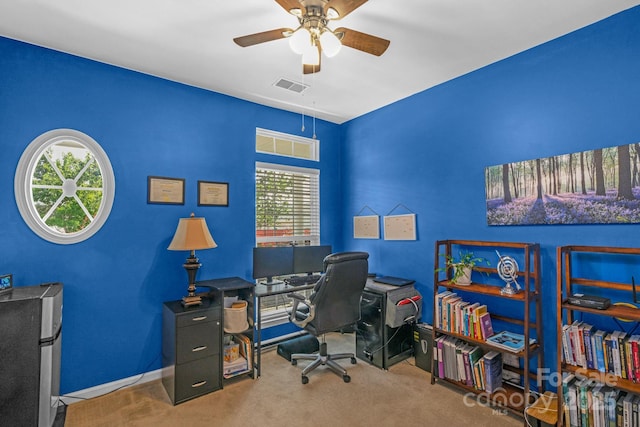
(600, 186)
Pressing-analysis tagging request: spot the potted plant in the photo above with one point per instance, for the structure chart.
(462, 266)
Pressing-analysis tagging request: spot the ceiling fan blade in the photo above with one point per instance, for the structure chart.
(343, 7)
(265, 36)
(362, 41)
(289, 4)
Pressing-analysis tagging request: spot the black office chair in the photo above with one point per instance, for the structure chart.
(333, 305)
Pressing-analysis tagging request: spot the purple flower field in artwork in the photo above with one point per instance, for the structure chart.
(567, 208)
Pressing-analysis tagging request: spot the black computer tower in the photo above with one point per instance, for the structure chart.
(376, 342)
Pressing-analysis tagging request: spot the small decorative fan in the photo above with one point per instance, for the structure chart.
(508, 271)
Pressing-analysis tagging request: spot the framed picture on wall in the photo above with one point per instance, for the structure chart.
(212, 193)
(163, 190)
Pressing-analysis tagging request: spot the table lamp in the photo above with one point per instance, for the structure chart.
(192, 234)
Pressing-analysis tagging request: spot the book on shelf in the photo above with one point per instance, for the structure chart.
(569, 398)
(486, 327)
(587, 331)
(596, 417)
(453, 314)
(493, 371)
(613, 352)
(238, 366)
(598, 340)
(583, 387)
(627, 409)
(619, 409)
(590, 403)
(438, 308)
(509, 341)
(478, 375)
(461, 373)
(459, 361)
(245, 348)
(447, 315)
(477, 312)
(468, 318)
(439, 354)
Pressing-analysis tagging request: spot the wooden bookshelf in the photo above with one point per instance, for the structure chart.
(527, 302)
(567, 284)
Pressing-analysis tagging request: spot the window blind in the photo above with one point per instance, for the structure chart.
(287, 205)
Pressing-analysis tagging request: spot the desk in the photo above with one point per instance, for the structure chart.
(261, 291)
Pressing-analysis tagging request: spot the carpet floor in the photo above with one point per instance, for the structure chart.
(400, 396)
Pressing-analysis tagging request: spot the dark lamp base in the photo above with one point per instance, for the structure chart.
(191, 301)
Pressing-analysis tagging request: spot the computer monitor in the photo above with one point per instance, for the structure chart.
(309, 259)
(272, 261)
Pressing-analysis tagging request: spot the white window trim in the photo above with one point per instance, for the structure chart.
(22, 185)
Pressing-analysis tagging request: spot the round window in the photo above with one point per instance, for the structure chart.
(64, 186)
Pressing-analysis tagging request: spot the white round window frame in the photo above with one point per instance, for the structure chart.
(22, 185)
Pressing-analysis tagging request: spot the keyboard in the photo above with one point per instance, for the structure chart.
(302, 280)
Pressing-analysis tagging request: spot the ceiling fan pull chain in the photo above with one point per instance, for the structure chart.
(314, 119)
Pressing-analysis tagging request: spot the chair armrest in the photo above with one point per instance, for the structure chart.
(295, 296)
(301, 300)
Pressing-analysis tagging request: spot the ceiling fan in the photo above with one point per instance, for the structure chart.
(313, 36)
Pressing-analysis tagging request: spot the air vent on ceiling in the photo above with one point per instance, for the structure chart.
(291, 85)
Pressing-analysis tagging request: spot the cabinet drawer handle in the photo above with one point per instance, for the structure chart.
(200, 384)
(199, 319)
(202, 347)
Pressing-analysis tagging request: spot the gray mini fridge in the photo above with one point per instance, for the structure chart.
(30, 343)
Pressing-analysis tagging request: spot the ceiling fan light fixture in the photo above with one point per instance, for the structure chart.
(300, 41)
(330, 43)
(332, 13)
(311, 56)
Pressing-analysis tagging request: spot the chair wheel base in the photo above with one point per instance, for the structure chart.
(305, 379)
(346, 378)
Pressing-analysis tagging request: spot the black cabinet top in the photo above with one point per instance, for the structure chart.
(226, 284)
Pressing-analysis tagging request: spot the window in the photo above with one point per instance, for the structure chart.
(64, 186)
(287, 213)
(270, 142)
(287, 205)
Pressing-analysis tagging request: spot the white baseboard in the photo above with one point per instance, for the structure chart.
(101, 389)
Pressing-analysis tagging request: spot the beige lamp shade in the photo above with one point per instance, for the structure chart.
(192, 234)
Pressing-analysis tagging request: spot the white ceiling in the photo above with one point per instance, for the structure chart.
(190, 41)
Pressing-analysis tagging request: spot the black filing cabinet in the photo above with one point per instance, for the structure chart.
(376, 342)
(191, 356)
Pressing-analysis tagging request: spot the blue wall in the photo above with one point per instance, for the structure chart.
(116, 281)
(428, 152)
